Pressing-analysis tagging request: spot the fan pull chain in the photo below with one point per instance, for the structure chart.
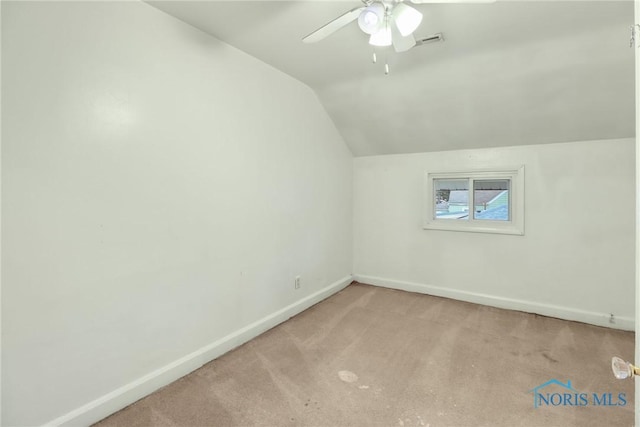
(374, 59)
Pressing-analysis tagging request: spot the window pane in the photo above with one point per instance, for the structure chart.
(452, 198)
(491, 199)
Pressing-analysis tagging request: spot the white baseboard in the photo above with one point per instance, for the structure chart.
(114, 401)
(594, 318)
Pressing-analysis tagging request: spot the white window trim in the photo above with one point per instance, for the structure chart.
(514, 226)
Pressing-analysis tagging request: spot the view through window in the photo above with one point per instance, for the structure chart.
(488, 201)
(485, 201)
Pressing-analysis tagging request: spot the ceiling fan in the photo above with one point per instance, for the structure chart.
(388, 22)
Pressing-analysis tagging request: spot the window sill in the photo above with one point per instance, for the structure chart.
(476, 227)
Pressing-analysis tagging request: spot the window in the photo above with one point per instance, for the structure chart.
(487, 201)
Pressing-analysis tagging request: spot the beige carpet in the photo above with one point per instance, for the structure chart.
(370, 356)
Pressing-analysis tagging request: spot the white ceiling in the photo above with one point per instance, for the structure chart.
(508, 73)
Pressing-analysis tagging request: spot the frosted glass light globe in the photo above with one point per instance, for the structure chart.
(407, 18)
(381, 38)
(371, 19)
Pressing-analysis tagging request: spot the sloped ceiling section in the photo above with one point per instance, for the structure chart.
(508, 73)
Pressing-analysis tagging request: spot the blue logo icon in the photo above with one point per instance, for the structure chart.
(556, 393)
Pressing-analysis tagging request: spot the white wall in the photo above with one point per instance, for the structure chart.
(160, 192)
(576, 259)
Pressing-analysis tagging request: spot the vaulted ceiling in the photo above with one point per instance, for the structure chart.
(508, 73)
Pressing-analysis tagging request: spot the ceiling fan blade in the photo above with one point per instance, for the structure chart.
(451, 1)
(334, 25)
(400, 43)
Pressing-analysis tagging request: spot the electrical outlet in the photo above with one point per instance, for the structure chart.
(296, 284)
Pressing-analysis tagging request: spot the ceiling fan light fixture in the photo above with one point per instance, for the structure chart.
(382, 38)
(371, 19)
(406, 18)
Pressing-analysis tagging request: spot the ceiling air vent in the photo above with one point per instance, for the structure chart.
(430, 39)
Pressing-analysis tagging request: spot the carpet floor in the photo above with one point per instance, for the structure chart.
(369, 356)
